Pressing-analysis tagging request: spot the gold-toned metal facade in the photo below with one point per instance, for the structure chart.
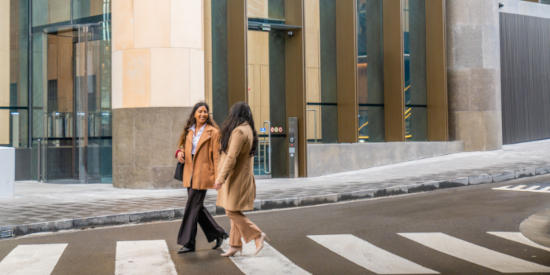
(305, 97)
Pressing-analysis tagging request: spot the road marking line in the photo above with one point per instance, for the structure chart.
(32, 259)
(143, 257)
(525, 188)
(519, 238)
(475, 254)
(368, 255)
(268, 261)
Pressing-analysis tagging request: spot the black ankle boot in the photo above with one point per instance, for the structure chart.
(219, 240)
(184, 249)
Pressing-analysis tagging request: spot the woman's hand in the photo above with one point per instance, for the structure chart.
(180, 157)
(218, 185)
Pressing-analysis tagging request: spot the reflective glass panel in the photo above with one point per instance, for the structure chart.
(415, 69)
(370, 70)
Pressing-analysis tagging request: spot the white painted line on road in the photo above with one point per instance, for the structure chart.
(143, 257)
(368, 255)
(474, 253)
(522, 188)
(32, 259)
(268, 261)
(519, 238)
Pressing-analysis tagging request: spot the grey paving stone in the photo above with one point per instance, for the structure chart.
(525, 172)
(542, 170)
(152, 216)
(279, 203)
(479, 179)
(457, 182)
(503, 176)
(319, 199)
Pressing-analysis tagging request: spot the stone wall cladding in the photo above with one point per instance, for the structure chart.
(341, 157)
(144, 142)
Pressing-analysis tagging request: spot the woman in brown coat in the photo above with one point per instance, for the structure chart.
(199, 150)
(235, 181)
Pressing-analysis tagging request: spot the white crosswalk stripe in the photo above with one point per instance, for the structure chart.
(537, 188)
(475, 254)
(153, 257)
(32, 259)
(519, 238)
(268, 261)
(368, 255)
(143, 257)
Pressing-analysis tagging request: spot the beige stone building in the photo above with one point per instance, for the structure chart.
(99, 90)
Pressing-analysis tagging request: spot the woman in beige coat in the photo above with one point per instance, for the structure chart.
(235, 180)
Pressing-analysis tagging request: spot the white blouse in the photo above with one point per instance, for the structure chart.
(196, 137)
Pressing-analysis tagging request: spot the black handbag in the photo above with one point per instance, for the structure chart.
(178, 174)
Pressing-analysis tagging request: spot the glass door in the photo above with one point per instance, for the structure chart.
(259, 98)
(76, 144)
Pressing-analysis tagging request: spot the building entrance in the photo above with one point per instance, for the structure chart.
(75, 140)
(266, 94)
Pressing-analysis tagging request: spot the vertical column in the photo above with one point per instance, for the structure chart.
(393, 70)
(346, 52)
(436, 71)
(237, 27)
(157, 76)
(295, 73)
(313, 67)
(4, 71)
(473, 56)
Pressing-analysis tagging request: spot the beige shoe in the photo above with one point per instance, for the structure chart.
(260, 240)
(232, 251)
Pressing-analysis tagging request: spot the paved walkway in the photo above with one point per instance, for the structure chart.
(39, 207)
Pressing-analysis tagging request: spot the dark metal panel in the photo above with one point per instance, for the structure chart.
(525, 77)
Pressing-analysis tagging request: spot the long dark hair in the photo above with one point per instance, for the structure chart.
(240, 113)
(191, 120)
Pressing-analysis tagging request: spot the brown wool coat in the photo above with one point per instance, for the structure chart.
(236, 172)
(203, 166)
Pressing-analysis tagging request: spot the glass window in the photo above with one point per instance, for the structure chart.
(14, 99)
(45, 12)
(415, 69)
(88, 8)
(272, 9)
(370, 70)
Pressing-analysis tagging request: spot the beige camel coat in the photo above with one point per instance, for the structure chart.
(236, 172)
(201, 169)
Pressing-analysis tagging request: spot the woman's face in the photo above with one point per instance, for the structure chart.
(201, 115)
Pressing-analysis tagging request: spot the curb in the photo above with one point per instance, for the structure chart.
(11, 231)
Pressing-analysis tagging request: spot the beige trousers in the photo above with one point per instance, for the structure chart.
(241, 227)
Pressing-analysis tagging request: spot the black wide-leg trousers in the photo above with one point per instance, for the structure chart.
(195, 212)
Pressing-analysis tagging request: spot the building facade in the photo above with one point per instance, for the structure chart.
(98, 91)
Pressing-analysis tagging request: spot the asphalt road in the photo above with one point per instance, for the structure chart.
(466, 213)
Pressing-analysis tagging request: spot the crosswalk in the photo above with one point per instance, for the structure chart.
(153, 256)
(535, 187)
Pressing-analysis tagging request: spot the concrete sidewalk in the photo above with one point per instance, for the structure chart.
(39, 207)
